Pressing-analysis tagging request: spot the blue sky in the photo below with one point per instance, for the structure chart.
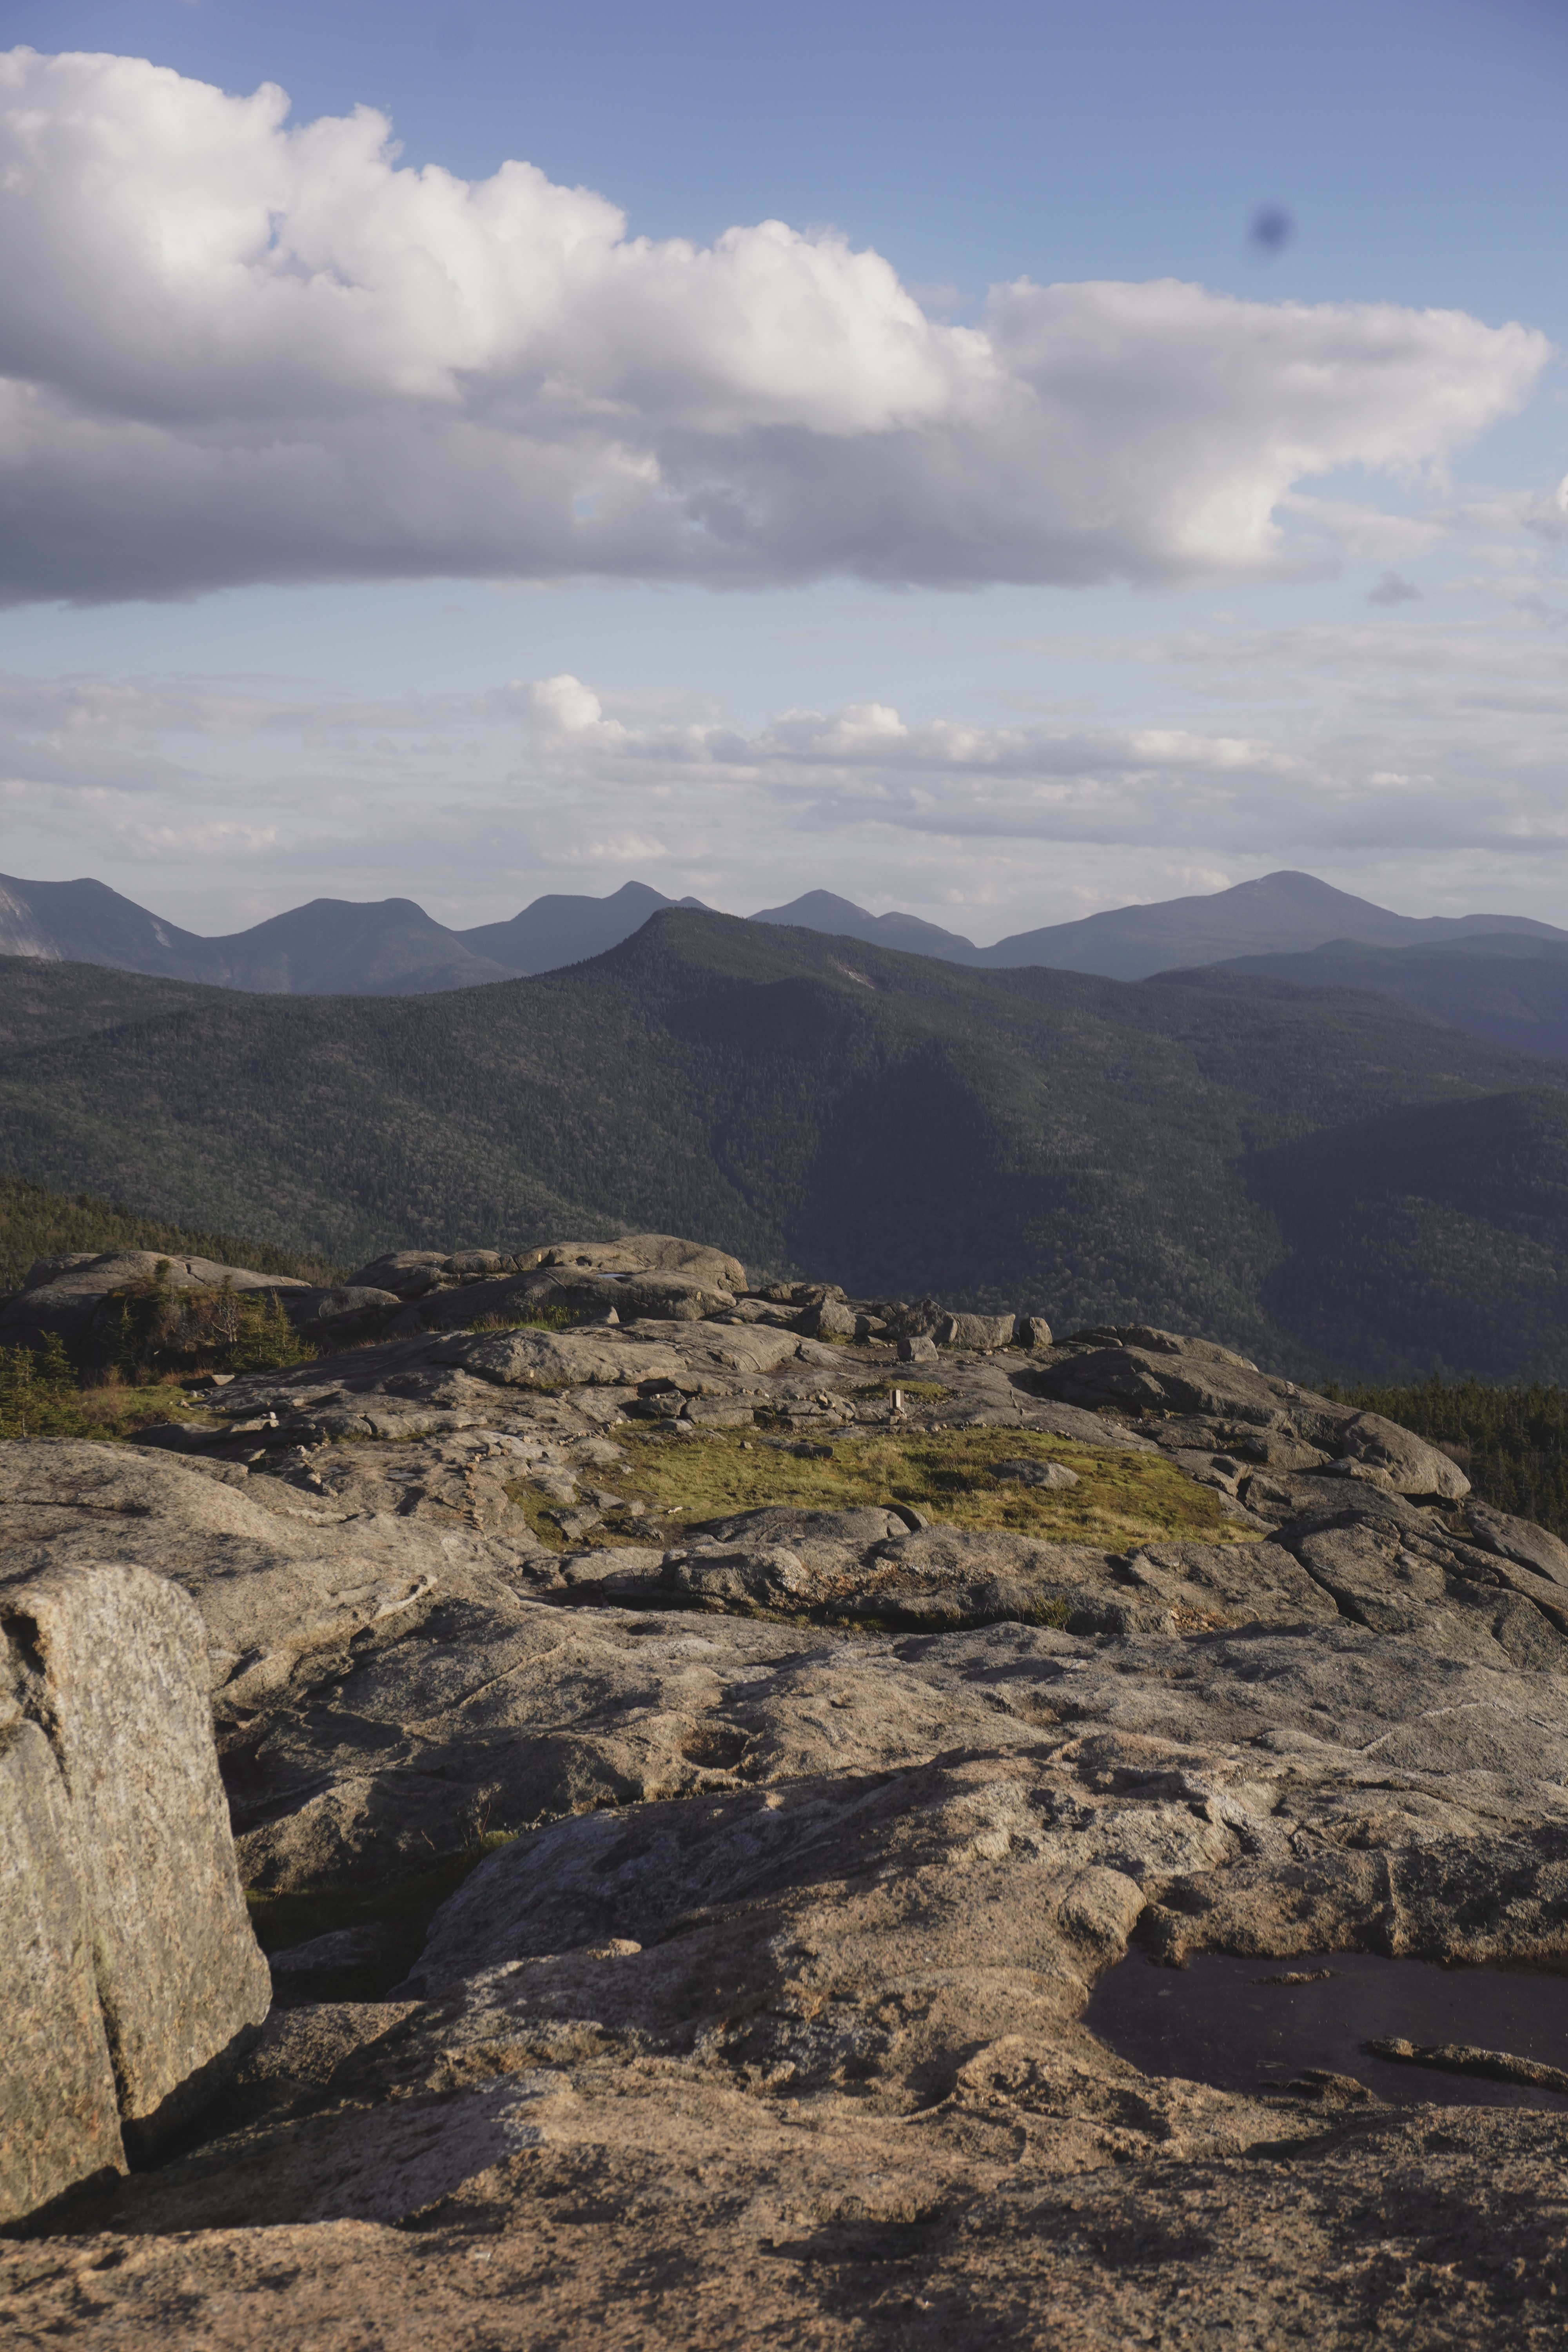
(1138, 648)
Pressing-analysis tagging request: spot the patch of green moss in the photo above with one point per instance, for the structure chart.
(38, 1398)
(1055, 1613)
(539, 1511)
(933, 1618)
(538, 1318)
(1122, 1498)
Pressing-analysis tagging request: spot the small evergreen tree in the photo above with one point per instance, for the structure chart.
(267, 1341)
(38, 1392)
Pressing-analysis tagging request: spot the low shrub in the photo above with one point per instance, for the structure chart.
(38, 1392)
(159, 1330)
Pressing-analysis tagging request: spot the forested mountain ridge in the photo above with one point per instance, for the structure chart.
(1101, 1150)
(1508, 987)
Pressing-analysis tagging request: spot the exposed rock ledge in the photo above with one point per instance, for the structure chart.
(768, 2021)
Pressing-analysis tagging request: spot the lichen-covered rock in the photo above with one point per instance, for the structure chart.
(1001, 1874)
(1037, 1474)
(670, 1253)
(59, 2123)
(406, 1273)
(305, 1308)
(1144, 1371)
(275, 1581)
(111, 1664)
(670, 1297)
(649, 1254)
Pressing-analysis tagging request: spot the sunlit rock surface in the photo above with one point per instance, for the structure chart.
(822, 1764)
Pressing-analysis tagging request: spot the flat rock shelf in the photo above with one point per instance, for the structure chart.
(1253, 2025)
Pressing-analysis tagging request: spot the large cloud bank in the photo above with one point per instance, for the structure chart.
(235, 351)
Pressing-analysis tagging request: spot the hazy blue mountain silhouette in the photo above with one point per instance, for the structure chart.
(560, 929)
(87, 923)
(332, 947)
(821, 910)
(392, 947)
(336, 946)
(1278, 913)
(1284, 911)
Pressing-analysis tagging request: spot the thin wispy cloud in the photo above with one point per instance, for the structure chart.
(236, 351)
(1348, 749)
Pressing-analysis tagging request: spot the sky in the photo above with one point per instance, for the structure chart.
(997, 463)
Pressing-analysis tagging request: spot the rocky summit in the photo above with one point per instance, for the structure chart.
(694, 1753)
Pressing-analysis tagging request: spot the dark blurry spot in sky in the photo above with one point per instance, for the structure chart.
(1392, 590)
(1272, 229)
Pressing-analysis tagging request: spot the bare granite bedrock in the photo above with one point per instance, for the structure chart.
(822, 1824)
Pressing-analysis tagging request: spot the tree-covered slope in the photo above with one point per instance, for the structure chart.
(36, 1223)
(1511, 988)
(1090, 1148)
(1511, 1443)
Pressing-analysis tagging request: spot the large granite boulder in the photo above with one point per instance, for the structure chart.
(560, 1270)
(1520, 1540)
(649, 1254)
(278, 1582)
(527, 1359)
(59, 2120)
(410, 1273)
(1411, 1465)
(671, 1297)
(133, 1978)
(975, 1331)
(1138, 1370)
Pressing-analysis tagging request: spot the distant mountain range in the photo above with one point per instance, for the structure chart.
(1326, 1179)
(337, 947)
(333, 947)
(821, 910)
(1280, 912)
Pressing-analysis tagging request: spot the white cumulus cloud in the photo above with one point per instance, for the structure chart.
(234, 349)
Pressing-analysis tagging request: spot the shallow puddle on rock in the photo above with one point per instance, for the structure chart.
(1214, 2021)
